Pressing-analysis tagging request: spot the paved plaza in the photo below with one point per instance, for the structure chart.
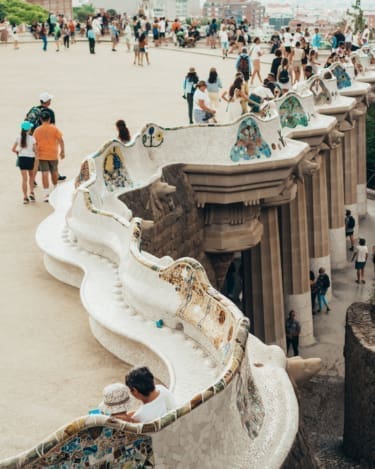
(52, 369)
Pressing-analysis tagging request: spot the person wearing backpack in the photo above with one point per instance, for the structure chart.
(322, 285)
(349, 228)
(283, 76)
(243, 65)
(34, 116)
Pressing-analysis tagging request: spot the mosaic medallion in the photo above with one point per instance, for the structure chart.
(320, 92)
(342, 77)
(250, 144)
(114, 173)
(152, 136)
(292, 113)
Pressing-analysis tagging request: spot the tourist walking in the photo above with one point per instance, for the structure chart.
(43, 35)
(360, 256)
(313, 290)
(224, 41)
(316, 42)
(49, 145)
(201, 105)
(123, 131)
(66, 36)
(190, 83)
(276, 62)
(57, 37)
(322, 284)
(283, 76)
(114, 35)
(256, 54)
(143, 52)
(349, 228)
(24, 147)
(128, 36)
(15, 36)
(292, 331)
(213, 87)
(243, 66)
(297, 56)
(91, 37)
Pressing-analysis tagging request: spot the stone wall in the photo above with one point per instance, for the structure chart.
(178, 229)
(359, 422)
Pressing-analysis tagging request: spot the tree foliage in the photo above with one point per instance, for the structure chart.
(18, 11)
(356, 13)
(83, 12)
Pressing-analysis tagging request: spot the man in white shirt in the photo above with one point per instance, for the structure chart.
(360, 255)
(157, 400)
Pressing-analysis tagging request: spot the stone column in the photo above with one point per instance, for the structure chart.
(350, 169)
(265, 300)
(317, 215)
(336, 209)
(361, 161)
(296, 263)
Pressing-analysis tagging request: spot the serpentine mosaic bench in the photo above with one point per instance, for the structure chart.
(236, 404)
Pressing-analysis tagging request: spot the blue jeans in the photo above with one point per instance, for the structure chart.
(44, 39)
(322, 299)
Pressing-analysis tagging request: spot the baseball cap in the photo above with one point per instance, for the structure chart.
(26, 126)
(45, 97)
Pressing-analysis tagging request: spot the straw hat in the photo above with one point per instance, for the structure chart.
(115, 399)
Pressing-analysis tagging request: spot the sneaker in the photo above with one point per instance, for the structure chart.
(356, 281)
(25, 201)
(363, 281)
(351, 248)
(45, 198)
(35, 184)
(32, 197)
(61, 178)
(328, 309)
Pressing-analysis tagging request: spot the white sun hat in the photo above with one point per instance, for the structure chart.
(45, 97)
(115, 399)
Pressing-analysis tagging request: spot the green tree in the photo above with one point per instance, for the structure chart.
(83, 12)
(356, 13)
(18, 11)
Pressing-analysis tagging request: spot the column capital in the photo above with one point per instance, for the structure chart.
(333, 139)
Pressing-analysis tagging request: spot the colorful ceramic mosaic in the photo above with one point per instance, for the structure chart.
(152, 136)
(292, 113)
(114, 173)
(250, 143)
(249, 402)
(205, 311)
(320, 91)
(342, 77)
(84, 174)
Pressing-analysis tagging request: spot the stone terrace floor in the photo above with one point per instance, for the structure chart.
(52, 369)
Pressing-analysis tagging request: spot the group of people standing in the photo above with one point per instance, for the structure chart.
(38, 147)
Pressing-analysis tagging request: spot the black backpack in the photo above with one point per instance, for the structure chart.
(33, 116)
(243, 66)
(351, 223)
(284, 76)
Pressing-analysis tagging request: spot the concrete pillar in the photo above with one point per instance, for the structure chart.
(266, 300)
(361, 164)
(336, 209)
(296, 263)
(317, 217)
(350, 170)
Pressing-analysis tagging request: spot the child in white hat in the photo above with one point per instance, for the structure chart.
(115, 400)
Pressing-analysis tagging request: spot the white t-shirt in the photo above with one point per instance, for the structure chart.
(198, 95)
(223, 36)
(365, 34)
(158, 407)
(162, 26)
(349, 37)
(256, 52)
(361, 253)
(28, 150)
(287, 39)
